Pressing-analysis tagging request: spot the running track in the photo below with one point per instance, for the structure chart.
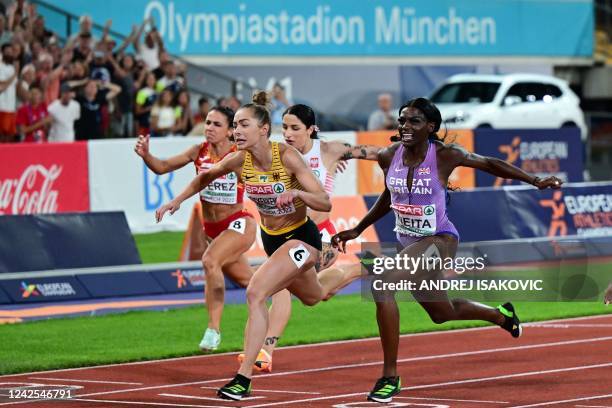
(562, 363)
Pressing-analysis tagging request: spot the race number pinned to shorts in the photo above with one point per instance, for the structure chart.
(298, 255)
(238, 225)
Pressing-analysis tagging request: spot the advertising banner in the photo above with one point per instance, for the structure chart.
(371, 179)
(487, 214)
(543, 152)
(44, 289)
(120, 284)
(62, 241)
(120, 181)
(43, 179)
(347, 28)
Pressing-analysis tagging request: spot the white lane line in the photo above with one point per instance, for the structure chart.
(567, 326)
(330, 343)
(205, 398)
(541, 404)
(594, 406)
(141, 403)
(453, 399)
(472, 380)
(84, 381)
(499, 377)
(281, 392)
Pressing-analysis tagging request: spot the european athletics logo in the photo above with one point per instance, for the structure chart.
(28, 290)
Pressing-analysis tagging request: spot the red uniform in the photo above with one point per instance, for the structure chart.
(227, 189)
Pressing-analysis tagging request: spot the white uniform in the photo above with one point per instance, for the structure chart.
(315, 161)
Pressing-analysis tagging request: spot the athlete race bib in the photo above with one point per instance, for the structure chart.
(415, 220)
(224, 190)
(264, 196)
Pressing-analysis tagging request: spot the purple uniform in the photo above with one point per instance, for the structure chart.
(420, 212)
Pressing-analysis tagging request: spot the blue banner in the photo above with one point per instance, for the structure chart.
(356, 28)
(44, 289)
(543, 152)
(62, 241)
(186, 280)
(4, 298)
(583, 209)
(120, 284)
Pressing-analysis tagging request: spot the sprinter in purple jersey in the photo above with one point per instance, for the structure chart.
(416, 171)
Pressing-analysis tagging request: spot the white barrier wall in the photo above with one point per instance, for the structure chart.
(119, 180)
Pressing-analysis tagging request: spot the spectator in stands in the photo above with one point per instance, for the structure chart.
(163, 115)
(64, 112)
(222, 102)
(93, 102)
(85, 33)
(39, 32)
(383, 118)
(82, 49)
(159, 72)
(9, 70)
(33, 118)
(101, 69)
(152, 46)
(280, 103)
(5, 35)
(145, 98)
(203, 108)
(183, 113)
(124, 77)
(49, 77)
(234, 103)
(78, 75)
(170, 80)
(26, 79)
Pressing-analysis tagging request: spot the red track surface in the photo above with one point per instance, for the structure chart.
(565, 363)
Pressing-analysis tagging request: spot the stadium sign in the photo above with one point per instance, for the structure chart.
(343, 28)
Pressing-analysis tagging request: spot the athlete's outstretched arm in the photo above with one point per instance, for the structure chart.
(500, 168)
(380, 208)
(231, 162)
(313, 195)
(163, 166)
(346, 151)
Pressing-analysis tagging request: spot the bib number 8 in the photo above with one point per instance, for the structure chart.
(238, 225)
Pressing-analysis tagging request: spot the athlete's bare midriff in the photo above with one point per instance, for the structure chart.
(219, 212)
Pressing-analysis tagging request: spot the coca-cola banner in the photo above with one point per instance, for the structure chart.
(42, 179)
(120, 181)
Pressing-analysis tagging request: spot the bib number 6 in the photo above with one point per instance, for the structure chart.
(238, 225)
(299, 255)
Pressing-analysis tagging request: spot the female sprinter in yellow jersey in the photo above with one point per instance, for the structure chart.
(282, 186)
(230, 230)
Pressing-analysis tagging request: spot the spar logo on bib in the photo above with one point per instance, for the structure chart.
(429, 210)
(278, 188)
(415, 220)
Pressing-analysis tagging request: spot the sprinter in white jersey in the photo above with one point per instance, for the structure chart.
(300, 131)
